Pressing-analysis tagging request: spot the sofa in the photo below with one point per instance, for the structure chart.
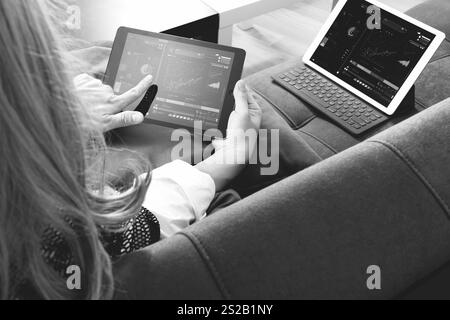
(339, 205)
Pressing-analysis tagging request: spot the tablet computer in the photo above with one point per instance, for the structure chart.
(374, 51)
(195, 79)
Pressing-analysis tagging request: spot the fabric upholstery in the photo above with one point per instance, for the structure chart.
(383, 202)
(432, 86)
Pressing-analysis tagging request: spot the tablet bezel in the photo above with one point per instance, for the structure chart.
(395, 103)
(235, 76)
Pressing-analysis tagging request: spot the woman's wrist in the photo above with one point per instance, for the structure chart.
(237, 148)
(228, 161)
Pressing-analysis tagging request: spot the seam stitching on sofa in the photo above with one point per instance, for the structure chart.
(421, 103)
(281, 112)
(418, 173)
(320, 141)
(304, 123)
(444, 56)
(208, 261)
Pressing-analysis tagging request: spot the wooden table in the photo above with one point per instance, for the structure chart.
(100, 19)
(232, 12)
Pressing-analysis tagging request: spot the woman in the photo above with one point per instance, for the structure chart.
(59, 202)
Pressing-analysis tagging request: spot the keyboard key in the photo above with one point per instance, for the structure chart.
(359, 121)
(291, 76)
(366, 120)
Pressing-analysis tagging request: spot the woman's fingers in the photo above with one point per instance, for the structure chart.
(241, 97)
(254, 110)
(138, 92)
(124, 119)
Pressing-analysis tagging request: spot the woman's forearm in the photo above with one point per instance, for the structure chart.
(224, 165)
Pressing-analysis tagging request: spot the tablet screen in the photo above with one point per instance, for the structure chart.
(192, 80)
(375, 61)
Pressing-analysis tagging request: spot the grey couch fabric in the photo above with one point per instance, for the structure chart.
(433, 85)
(384, 201)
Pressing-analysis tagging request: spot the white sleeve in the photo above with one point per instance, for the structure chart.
(179, 195)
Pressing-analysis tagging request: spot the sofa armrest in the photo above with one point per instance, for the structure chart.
(384, 202)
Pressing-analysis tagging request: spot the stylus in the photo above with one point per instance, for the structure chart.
(146, 103)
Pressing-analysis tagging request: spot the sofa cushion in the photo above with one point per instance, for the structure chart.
(322, 135)
(383, 202)
(424, 132)
(434, 13)
(432, 86)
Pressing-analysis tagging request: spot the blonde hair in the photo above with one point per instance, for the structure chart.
(52, 164)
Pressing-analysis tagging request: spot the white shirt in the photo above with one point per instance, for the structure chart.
(179, 195)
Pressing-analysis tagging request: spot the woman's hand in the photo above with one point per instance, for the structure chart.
(110, 111)
(233, 153)
(243, 125)
(247, 114)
